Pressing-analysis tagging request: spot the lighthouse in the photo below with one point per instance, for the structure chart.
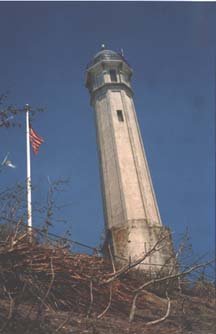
(132, 219)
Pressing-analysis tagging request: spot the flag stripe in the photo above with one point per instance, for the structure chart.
(39, 142)
(34, 135)
(35, 140)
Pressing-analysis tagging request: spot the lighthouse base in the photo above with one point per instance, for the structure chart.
(139, 239)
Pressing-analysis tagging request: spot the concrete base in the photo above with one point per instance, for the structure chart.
(132, 240)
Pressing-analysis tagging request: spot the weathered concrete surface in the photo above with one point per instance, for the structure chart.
(130, 207)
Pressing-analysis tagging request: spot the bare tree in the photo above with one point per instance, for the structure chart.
(9, 113)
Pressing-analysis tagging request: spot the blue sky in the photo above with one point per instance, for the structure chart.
(44, 49)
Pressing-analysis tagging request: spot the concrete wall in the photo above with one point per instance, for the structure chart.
(132, 217)
(127, 186)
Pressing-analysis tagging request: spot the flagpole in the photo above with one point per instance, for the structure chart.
(28, 180)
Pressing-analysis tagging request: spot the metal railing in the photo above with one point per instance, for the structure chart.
(106, 57)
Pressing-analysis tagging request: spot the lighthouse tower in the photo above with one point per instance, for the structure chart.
(132, 219)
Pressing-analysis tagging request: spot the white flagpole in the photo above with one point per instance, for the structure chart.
(28, 180)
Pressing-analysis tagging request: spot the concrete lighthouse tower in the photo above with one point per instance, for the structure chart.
(133, 223)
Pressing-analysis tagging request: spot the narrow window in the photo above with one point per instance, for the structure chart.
(126, 77)
(120, 116)
(98, 80)
(113, 75)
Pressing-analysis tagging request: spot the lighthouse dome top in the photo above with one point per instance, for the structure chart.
(107, 55)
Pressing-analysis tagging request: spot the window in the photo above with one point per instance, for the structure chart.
(126, 77)
(120, 116)
(98, 79)
(113, 75)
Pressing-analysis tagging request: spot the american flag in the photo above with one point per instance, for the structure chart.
(35, 140)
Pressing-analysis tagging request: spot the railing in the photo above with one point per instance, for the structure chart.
(108, 56)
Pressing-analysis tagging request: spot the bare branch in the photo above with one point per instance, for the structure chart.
(169, 277)
(111, 257)
(133, 307)
(108, 306)
(130, 266)
(51, 282)
(91, 299)
(154, 322)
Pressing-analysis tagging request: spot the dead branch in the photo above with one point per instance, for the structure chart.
(68, 318)
(16, 232)
(154, 322)
(174, 276)
(63, 323)
(112, 260)
(130, 266)
(15, 241)
(91, 299)
(133, 307)
(55, 277)
(108, 306)
(51, 282)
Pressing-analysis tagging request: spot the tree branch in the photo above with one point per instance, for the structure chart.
(130, 266)
(108, 306)
(168, 277)
(164, 317)
(91, 300)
